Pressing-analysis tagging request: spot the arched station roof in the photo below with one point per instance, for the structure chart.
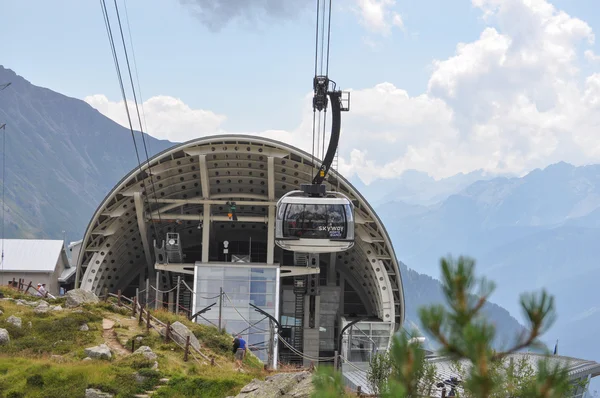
(215, 169)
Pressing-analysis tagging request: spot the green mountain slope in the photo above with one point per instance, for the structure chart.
(62, 158)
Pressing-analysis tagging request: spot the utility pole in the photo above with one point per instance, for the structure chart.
(3, 127)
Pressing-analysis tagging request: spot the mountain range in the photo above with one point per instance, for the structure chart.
(537, 232)
(63, 157)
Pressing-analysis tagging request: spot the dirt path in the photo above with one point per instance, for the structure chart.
(111, 340)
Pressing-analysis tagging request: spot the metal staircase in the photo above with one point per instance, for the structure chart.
(185, 296)
(298, 328)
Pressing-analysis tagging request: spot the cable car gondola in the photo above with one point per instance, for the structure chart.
(313, 220)
(315, 224)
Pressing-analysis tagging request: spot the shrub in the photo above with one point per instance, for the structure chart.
(465, 335)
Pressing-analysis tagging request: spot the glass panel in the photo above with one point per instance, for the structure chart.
(243, 286)
(315, 221)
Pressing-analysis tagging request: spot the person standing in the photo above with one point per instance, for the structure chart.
(240, 352)
(236, 345)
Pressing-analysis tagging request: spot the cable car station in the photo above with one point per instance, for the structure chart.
(189, 232)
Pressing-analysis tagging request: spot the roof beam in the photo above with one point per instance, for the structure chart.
(204, 182)
(139, 210)
(199, 217)
(175, 203)
(219, 147)
(271, 177)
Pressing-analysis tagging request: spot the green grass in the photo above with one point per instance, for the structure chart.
(218, 386)
(28, 368)
(9, 292)
(20, 377)
(50, 333)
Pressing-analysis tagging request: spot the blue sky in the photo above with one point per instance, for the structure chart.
(257, 74)
(63, 45)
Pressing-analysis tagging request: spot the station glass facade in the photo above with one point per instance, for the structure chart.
(242, 285)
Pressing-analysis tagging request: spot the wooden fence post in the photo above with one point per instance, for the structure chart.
(359, 391)
(170, 299)
(105, 294)
(133, 345)
(177, 295)
(134, 306)
(187, 348)
(148, 319)
(141, 319)
(119, 297)
(167, 331)
(28, 286)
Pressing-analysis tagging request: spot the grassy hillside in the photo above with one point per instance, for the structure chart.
(44, 357)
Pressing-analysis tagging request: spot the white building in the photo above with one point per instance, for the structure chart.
(36, 260)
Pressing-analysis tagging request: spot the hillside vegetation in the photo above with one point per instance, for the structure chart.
(46, 354)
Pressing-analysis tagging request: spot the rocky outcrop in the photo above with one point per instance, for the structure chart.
(281, 385)
(179, 332)
(15, 320)
(77, 297)
(99, 352)
(42, 307)
(94, 393)
(4, 337)
(146, 352)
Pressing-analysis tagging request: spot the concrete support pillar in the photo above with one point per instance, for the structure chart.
(331, 273)
(206, 233)
(271, 235)
(311, 334)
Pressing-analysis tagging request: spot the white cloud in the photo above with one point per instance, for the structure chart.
(166, 117)
(377, 15)
(591, 56)
(512, 100)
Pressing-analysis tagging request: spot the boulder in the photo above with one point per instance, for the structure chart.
(84, 328)
(281, 385)
(146, 352)
(99, 352)
(4, 337)
(56, 308)
(139, 378)
(42, 308)
(15, 320)
(95, 393)
(179, 333)
(77, 297)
